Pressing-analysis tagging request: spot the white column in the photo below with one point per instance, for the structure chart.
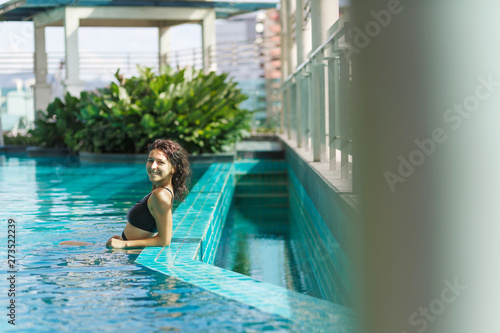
(208, 42)
(299, 36)
(284, 41)
(284, 64)
(72, 84)
(164, 44)
(306, 35)
(299, 18)
(323, 14)
(292, 63)
(41, 88)
(293, 42)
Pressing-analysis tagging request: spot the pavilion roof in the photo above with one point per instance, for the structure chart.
(24, 10)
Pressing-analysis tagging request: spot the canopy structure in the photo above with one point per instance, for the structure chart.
(72, 14)
(25, 10)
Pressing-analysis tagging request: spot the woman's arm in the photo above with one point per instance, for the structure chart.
(146, 242)
(161, 209)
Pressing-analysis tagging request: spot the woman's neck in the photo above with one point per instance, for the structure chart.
(162, 185)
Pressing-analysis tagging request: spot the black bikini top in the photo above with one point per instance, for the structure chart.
(140, 216)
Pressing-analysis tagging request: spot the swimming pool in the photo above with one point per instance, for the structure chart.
(93, 288)
(88, 289)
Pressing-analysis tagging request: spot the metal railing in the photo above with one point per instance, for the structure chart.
(92, 64)
(316, 102)
(101, 66)
(97, 64)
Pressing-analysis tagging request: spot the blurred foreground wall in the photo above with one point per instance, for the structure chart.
(426, 78)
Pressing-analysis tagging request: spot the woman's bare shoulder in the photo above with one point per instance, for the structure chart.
(161, 195)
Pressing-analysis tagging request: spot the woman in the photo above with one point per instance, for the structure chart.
(150, 220)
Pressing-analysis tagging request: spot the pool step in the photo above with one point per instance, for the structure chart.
(261, 200)
(265, 177)
(269, 189)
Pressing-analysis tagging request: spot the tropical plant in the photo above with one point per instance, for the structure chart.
(56, 127)
(20, 140)
(198, 110)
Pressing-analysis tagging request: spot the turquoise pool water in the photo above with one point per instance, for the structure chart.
(88, 289)
(256, 240)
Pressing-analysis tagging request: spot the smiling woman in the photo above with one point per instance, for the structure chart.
(150, 220)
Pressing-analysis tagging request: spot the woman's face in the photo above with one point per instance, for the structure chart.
(159, 168)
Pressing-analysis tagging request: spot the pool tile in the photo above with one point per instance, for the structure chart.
(197, 224)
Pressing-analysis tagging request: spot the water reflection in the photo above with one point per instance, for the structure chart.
(92, 288)
(256, 239)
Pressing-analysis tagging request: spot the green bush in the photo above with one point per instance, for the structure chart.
(20, 140)
(200, 111)
(57, 126)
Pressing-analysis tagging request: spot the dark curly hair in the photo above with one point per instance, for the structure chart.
(178, 157)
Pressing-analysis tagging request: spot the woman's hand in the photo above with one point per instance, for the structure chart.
(115, 242)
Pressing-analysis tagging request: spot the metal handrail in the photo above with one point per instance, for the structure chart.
(225, 53)
(338, 33)
(315, 121)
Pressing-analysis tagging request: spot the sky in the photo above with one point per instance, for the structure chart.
(18, 37)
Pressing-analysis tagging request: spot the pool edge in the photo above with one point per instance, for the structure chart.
(179, 261)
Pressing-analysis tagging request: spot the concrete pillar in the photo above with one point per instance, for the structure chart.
(299, 17)
(292, 60)
(164, 44)
(284, 41)
(208, 42)
(303, 41)
(306, 35)
(284, 63)
(72, 84)
(324, 13)
(42, 90)
(293, 41)
(343, 113)
(299, 36)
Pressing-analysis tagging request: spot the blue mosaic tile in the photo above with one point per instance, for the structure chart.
(198, 222)
(316, 314)
(315, 235)
(250, 166)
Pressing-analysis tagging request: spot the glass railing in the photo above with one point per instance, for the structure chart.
(316, 102)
